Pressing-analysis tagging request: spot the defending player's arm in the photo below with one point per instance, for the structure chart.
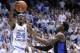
(45, 42)
(49, 43)
(57, 37)
(34, 34)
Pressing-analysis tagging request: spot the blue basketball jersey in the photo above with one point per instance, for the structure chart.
(61, 47)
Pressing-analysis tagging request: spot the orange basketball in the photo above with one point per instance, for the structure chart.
(21, 6)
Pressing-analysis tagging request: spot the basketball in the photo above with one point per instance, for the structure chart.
(21, 6)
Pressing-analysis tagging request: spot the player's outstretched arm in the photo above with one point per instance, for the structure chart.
(34, 34)
(52, 41)
(11, 20)
(49, 43)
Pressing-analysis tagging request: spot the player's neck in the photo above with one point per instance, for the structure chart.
(20, 23)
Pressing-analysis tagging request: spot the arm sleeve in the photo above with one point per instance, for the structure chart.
(44, 48)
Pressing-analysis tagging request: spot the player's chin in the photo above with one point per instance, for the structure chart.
(20, 20)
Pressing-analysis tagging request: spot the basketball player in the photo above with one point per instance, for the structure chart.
(20, 29)
(58, 41)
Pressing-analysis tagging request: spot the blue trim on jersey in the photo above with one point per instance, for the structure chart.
(61, 47)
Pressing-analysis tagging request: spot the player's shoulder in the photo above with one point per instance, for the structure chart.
(59, 33)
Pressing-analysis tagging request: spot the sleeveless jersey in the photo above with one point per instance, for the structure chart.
(20, 36)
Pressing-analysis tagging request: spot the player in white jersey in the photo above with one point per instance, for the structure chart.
(20, 28)
(20, 36)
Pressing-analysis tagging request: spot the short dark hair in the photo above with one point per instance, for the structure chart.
(66, 26)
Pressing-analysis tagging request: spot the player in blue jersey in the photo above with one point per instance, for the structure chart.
(58, 41)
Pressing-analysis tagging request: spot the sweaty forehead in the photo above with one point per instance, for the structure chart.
(59, 33)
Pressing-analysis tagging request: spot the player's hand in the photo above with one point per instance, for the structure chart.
(13, 5)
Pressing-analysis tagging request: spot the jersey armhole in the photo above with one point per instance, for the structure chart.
(12, 27)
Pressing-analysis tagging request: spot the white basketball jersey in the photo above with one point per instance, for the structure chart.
(20, 36)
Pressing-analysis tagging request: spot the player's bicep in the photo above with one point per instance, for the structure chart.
(57, 37)
(52, 41)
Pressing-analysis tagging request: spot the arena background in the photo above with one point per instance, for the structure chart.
(45, 20)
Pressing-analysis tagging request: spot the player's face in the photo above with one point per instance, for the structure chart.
(21, 19)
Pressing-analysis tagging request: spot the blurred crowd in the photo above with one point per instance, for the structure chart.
(45, 21)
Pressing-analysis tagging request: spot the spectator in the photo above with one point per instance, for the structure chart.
(74, 37)
(62, 18)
